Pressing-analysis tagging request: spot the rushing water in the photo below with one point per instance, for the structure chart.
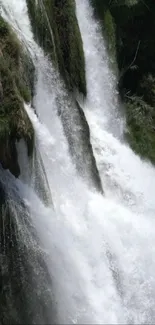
(100, 251)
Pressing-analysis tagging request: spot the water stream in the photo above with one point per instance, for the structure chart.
(99, 250)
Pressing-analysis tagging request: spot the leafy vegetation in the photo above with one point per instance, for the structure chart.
(141, 127)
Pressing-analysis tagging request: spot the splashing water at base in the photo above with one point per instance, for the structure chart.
(99, 250)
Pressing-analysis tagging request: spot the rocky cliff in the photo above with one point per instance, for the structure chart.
(16, 84)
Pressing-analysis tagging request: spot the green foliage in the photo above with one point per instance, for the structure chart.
(141, 127)
(4, 29)
(4, 127)
(56, 29)
(147, 89)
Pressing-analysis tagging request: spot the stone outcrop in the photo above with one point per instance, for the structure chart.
(16, 78)
(56, 29)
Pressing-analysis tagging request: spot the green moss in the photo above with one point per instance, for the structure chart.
(4, 127)
(141, 127)
(4, 28)
(147, 89)
(56, 29)
(25, 78)
(16, 75)
(40, 27)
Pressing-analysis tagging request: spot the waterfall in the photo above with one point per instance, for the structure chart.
(122, 172)
(97, 250)
(102, 99)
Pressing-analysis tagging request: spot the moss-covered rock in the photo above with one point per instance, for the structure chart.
(87, 158)
(16, 79)
(56, 29)
(141, 127)
(77, 133)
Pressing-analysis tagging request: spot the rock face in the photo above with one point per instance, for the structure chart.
(16, 75)
(134, 41)
(56, 29)
(77, 132)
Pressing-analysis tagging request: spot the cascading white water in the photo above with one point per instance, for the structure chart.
(99, 250)
(101, 94)
(123, 172)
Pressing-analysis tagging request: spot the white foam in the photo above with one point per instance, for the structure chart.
(100, 250)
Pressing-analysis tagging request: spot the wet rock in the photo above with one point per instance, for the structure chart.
(25, 288)
(16, 73)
